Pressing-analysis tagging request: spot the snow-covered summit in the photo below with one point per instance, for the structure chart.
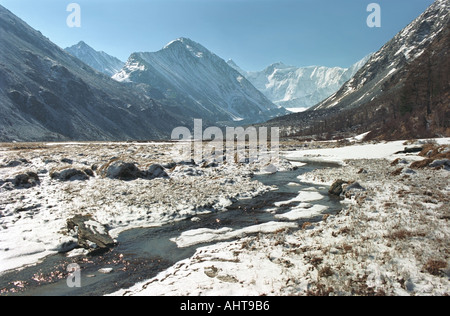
(98, 60)
(200, 82)
(299, 87)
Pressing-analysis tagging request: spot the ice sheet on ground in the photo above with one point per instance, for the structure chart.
(303, 196)
(205, 235)
(301, 212)
(367, 151)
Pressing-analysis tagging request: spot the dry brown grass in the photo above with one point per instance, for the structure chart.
(397, 172)
(306, 225)
(435, 267)
(421, 164)
(434, 151)
(326, 272)
(320, 290)
(403, 234)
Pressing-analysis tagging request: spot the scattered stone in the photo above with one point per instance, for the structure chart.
(12, 164)
(89, 172)
(443, 163)
(67, 160)
(351, 189)
(169, 165)
(69, 174)
(336, 188)
(156, 171)
(410, 150)
(26, 180)
(270, 169)
(187, 163)
(15, 163)
(409, 171)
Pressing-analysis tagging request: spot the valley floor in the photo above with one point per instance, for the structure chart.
(392, 237)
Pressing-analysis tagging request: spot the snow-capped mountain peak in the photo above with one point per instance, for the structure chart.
(299, 87)
(199, 81)
(98, 60)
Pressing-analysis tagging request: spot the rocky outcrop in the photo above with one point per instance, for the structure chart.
(121, 170)
(71, 174)
(336, 187)
(91, 234)
(27, 180)
(156, 171)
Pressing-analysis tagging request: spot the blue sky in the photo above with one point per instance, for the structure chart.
(254, 33)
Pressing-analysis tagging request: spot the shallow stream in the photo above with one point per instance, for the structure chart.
(144, 252)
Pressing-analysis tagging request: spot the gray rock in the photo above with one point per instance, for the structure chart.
(408, 171)
(336, 188)
(90, 232)
(12, 164)
(440, 163)
(352, 189)
(156, 171)
(69, 174)
(169, 165)
(27, 180)
(355, 186)
(121, 170)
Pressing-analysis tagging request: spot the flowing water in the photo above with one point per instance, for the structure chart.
(144, 252)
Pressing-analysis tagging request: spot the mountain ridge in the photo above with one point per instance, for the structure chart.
(198, 79)
(47, 94)
(299, 87)
(401, 50)
(99, 60)
(401, 93)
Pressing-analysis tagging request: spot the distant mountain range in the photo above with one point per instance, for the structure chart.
(47, 94)
(299, 88)
(98, 60)
(403, 91)
(202, 83)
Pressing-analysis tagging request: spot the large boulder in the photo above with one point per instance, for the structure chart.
(336, 188)
(91, 234)
(69, 174)
(120, 170)
(26, 180)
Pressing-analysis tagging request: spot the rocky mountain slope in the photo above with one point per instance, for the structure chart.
(199, 81)
(47, 94)
(402, 92)
(399, 52)
(98, 60)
